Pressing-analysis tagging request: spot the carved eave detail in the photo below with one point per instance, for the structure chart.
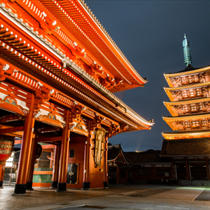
(76, 53)
(188, 123)
(188, 92)
(141, 122)
(180, 108)
(196, 76)
(89, 12)
(186, 135)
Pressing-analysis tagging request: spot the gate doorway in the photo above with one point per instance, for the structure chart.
(112, 175)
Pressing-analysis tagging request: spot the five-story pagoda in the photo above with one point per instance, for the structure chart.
(189, 106)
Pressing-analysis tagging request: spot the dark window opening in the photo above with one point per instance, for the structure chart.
(163, 172)
(71, 153)
(144, 172)
(123, 173)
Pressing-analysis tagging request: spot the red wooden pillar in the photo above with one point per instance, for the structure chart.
(31, 166)
(86, 181)
(55, 166)
(105, 162)
(64, 156)
(207, 169)
(2, 170)
(26, 148)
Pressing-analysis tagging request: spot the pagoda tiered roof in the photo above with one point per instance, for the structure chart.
(176, 123)
(173, 92)
(193, 71)
(189, 94)
(176, 107)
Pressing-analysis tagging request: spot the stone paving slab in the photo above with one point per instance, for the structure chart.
(119, 197)
(203, 196)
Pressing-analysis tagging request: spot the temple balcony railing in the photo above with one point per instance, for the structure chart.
(195, 125)
(189, 77)
(188, 123)
(189, 109)
(202, 77)
(196, 91)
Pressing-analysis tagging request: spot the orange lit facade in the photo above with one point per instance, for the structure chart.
(59, 69)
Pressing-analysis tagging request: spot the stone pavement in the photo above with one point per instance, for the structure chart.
(119, 197)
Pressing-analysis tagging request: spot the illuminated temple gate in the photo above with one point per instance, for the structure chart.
(58, 71)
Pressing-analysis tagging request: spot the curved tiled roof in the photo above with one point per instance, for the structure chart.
(143, 157)
(114, 151)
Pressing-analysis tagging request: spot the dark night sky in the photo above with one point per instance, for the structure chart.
(150, 35)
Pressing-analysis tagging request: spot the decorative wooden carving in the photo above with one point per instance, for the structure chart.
(180, 95)
(5, 69)
(14, 98)
(41, 97)
(10, 118)
(99, 145)
(48, 129)
(196, 108)
(51, 113)
(189, 79)
(177, 95)
(79, 126)
(198, 124)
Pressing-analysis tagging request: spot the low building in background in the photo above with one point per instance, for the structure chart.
(189, 158)
(137, 167)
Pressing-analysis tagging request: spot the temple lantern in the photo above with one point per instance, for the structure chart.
(198, 92)
(202, 107)
(184, 80)
(6, 147)
(193, 107)
(185, 94)
(196, 78)
(186, 124)
(195, 124)
(192, 93)
(204, 123)
(186, 108)
(191, 79)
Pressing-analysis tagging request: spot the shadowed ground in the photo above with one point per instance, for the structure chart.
(120, 197)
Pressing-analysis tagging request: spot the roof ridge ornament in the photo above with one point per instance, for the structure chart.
(187, 52)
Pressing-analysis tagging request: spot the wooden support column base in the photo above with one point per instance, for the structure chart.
(54, 184)
(20, 189)
(105, 185)
(86, 185)
(61, 187)
(1, 184)
(29, 186)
